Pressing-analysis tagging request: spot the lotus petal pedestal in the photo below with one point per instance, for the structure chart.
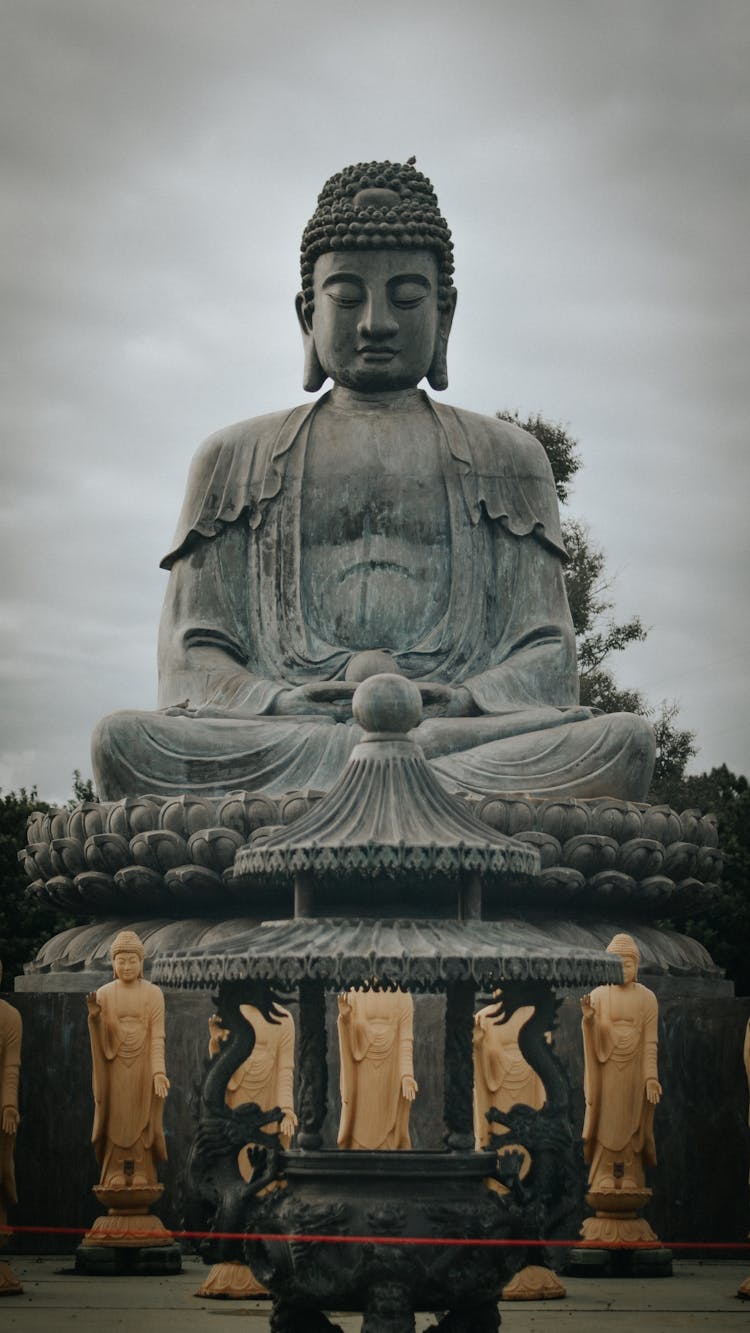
(616, 1225)
(128, 1238)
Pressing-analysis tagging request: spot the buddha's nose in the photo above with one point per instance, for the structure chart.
(377, 318)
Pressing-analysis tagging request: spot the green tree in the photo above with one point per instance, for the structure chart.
(83, 790)
(25, 921)
(726, 931)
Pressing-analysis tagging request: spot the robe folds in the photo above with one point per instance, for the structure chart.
(620, 1056)
(235, 632)
(376, 1047)
(127, 1049)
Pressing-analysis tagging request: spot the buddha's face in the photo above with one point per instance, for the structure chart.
(629, 967)
(376, 317)
(127, 966)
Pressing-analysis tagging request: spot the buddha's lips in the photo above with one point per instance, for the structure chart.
(384, 353)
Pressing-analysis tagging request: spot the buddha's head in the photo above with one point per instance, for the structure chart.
(126, 953)
(627, 951)
(377, 296)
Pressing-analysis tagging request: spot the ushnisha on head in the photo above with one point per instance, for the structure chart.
(126, 952)
(377, 206)
(627, 950)
(387, 210)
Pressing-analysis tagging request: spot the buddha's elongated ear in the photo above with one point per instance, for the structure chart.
(314, 376)
(437, 375)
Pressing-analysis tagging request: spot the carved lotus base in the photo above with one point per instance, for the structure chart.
(231, 1282)
(158, 856)
(534, 1283)
(9, 1283)
(616, 1220)
(121, 1227)
(126, 1199)
(743, 1291)
(612, 1200)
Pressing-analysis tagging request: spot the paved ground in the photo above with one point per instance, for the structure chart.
(699, 1296)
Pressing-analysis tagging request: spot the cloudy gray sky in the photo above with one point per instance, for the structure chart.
(159, 161)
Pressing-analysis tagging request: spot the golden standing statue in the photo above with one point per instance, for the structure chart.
(376, 1042)
(126, 1028)
(622, 1089)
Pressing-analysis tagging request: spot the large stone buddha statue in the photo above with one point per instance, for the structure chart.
(372, 529)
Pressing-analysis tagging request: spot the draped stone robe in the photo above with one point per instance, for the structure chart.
(235, 632)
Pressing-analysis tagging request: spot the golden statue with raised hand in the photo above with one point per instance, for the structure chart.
(622, 1090)
(126, 1027)
(126, 1030)
(376, 1044)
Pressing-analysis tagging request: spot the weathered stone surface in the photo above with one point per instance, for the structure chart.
(690, 870)
(371, 530)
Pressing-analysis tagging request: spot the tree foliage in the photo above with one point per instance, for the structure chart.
(599, 636)
(25, 922)
(726, 932)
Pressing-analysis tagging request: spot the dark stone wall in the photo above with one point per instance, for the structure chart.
(700, 1185)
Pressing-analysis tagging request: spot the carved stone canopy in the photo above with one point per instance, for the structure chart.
(418, 955)
(388, 818)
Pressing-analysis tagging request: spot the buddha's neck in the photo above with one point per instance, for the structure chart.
(389, 400)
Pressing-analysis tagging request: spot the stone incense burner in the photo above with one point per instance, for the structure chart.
(371, 865)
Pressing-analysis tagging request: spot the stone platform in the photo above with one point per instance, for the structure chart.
(700, 1297)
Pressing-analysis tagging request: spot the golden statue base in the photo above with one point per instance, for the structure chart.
(120, 1228)
(128, 1221)
(9, 1283)
(231, 1282)
(616, 1219)
(615, 1225)
(534, 1283)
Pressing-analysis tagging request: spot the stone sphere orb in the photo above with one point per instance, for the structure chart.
(373, 662)
(387, 703)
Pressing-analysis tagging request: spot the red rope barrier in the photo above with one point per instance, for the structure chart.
(457, 1242)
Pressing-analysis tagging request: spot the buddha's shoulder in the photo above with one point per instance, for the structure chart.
(504, 440)
(246, 436)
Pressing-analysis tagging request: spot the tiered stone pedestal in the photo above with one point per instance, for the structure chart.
(128, 1238)
(616, 1225)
